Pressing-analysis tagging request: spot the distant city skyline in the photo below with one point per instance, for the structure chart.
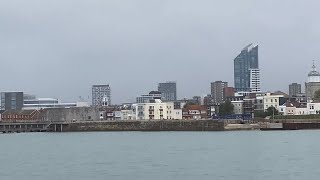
(53, 49)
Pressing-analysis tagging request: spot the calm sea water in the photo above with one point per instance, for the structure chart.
(161, 156)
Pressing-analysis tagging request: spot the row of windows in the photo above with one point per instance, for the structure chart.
(275, 100)
(271, 106)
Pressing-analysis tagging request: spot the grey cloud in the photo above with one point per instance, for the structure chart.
(60, 48)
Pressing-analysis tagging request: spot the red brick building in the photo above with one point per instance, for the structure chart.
(228, 92)
(20, 116)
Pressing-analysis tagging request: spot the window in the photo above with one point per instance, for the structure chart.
(271, 100)
(275, 100)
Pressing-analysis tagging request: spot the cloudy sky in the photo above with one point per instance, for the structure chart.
(59, 48)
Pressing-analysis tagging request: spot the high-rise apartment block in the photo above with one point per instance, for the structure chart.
(168, 91)
(294, 89)
(99, 93)
(217, 91)
(255, 82)
(246, 64)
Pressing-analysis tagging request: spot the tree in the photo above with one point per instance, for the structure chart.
(272, 111)
(259, 114)
(189, 103)
(317, 95)
(226, 108)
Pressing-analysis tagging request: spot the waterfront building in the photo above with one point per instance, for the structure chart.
(217, 91)
(155, 109)
(272, 100)
(45, 103)
(196, 112)
(294, 89)
(128, 115)
(245, 65)
(313, 83)
(172, 113)
(11, 100)
(98, 92)
(151, 96)
(292, 108)
(14, 116)
(168, 91)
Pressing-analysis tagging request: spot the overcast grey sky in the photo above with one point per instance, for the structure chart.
(59, 48)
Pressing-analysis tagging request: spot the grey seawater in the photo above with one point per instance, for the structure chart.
(276, 155)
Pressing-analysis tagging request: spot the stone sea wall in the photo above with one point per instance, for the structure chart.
(165, 125)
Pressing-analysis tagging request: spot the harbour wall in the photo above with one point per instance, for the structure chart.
(165, 125)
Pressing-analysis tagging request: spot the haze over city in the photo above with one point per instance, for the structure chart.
(61, 48)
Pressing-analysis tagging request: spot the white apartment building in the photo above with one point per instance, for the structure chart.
(255, 82)
(271, 100)
(173, 113)
(157, 110)
(150, 111)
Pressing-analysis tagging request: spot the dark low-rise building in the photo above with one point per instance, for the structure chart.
(11, 100)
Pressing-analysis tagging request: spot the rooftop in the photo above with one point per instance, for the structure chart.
(314, 71)
(250, 47)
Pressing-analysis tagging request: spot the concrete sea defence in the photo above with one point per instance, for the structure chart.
(153, 125)
(165, 125)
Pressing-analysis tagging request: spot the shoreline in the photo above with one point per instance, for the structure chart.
(153, 125)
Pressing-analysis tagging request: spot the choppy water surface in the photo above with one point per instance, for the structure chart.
(277, 155)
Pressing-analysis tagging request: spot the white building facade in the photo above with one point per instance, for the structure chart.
(271, 100)
(255, 81)
(157, 110)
